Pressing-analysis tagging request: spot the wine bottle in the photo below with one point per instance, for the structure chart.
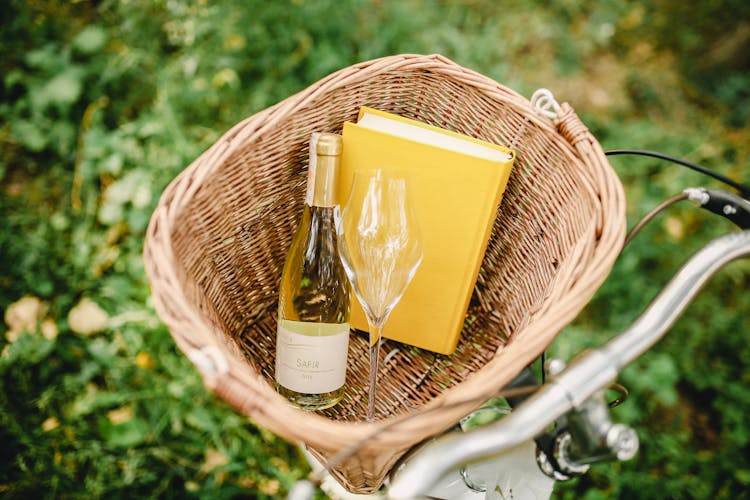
(313, 329)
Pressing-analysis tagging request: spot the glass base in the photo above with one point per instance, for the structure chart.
(311, 402)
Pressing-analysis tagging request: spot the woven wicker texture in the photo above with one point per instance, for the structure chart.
(217, 240)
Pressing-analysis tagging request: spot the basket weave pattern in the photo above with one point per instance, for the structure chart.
(217, 240)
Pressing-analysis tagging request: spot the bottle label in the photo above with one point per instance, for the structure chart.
(311, 357)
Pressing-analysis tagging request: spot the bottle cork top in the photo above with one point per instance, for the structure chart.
(329, 145)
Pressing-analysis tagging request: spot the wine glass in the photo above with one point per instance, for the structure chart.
(380, 247)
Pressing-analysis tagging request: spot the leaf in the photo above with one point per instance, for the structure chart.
(112, 164)
(133, 189)
(201, 419)
(213, 458)
(103, 351)
(29, 135)
(121, 415)
(742, 476)
(121, 192)
(63, 89)
(125, 435)
(90, 39)
(25, 314)
(225, 77)
(87, 317)
(50, 424)
(142, 196)
(27, 350)
(45, 57)
(12, 78)
(110, 214)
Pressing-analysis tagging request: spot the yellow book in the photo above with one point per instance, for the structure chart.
(457, 183)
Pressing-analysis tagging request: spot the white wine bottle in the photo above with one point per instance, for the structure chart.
(313, 332)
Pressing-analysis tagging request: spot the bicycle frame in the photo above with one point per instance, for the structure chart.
(578, 388)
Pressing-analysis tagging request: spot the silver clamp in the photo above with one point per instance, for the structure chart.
(699, 196)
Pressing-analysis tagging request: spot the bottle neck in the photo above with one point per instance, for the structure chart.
(324, 177)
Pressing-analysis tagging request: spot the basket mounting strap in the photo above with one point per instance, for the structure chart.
(544, 102)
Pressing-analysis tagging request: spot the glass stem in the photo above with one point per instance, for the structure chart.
(376, 330)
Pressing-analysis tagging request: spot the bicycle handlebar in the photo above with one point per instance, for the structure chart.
(591, 372)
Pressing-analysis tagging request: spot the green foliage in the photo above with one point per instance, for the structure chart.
(124, 413)
(103, 103)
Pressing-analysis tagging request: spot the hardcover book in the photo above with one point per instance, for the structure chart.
(456, 184)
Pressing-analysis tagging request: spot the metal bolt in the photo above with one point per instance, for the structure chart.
(623, 441)
(730, 210)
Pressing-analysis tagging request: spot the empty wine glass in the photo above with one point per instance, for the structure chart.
(380, 247)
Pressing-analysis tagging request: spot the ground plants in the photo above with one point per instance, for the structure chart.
(103, 103)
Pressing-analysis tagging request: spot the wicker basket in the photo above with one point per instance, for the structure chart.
(216, 243)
